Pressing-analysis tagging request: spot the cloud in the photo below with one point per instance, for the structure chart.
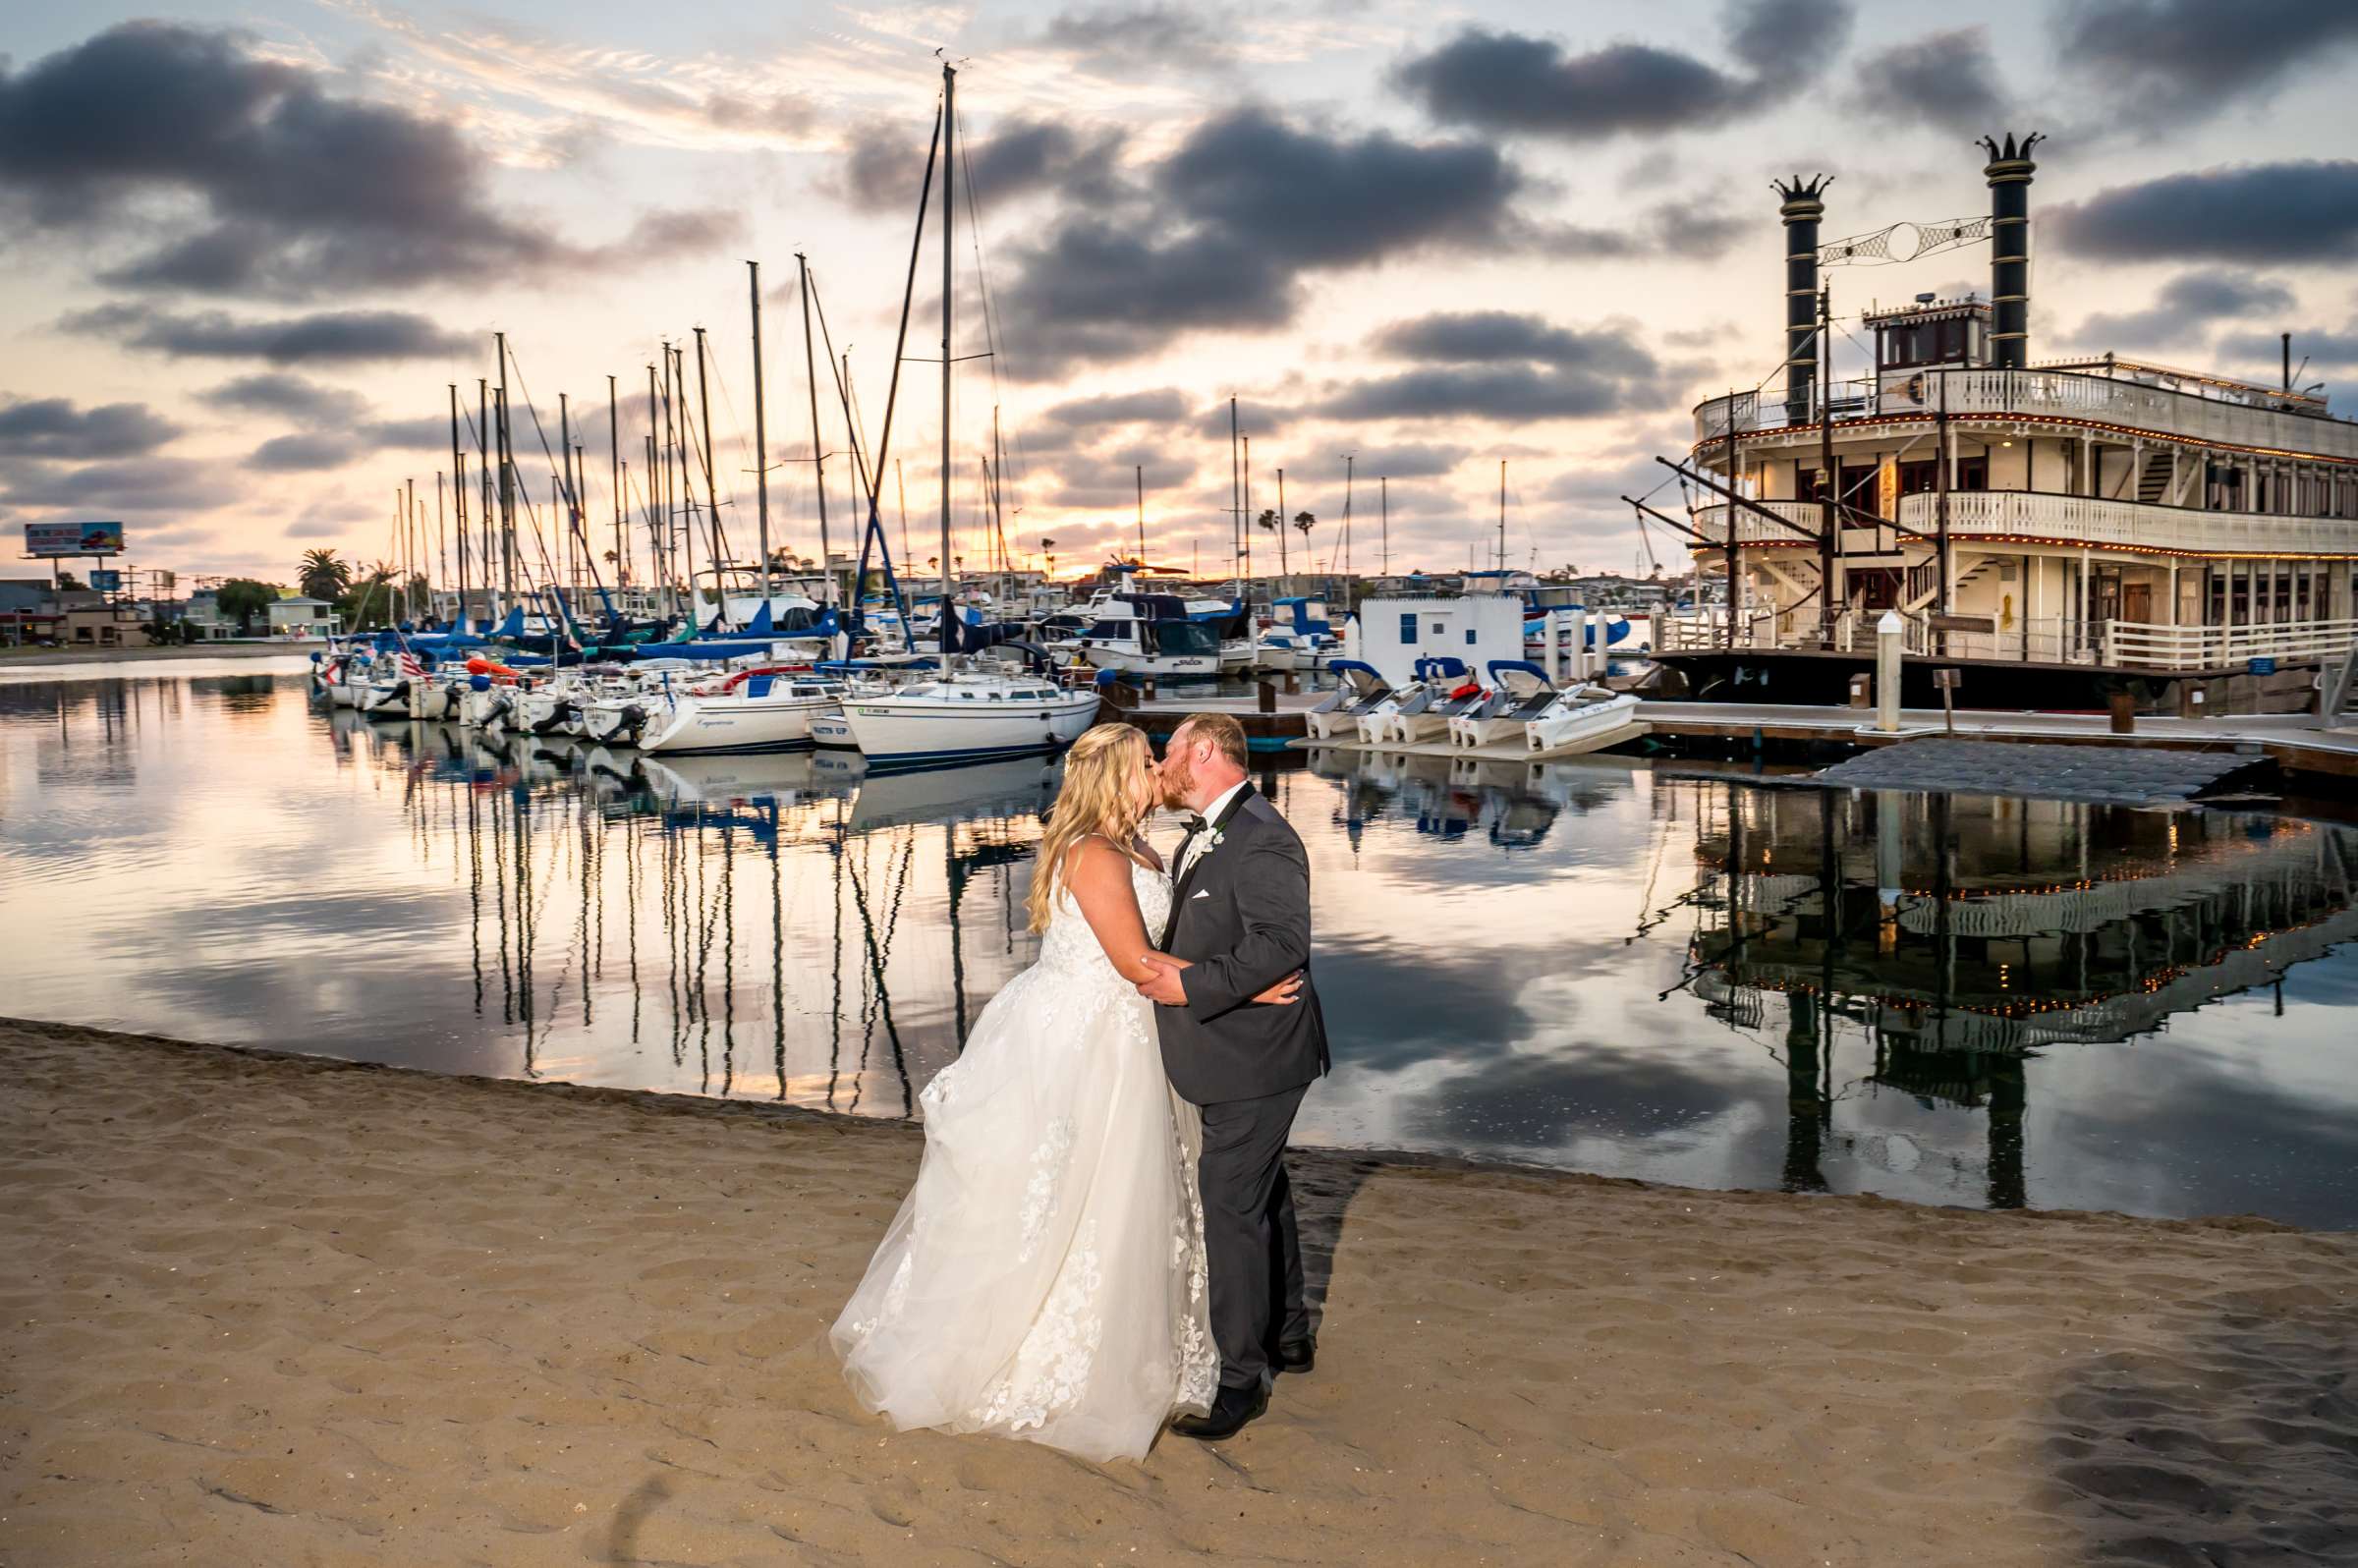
(57, 428)
(1222, 233)
(1515, 83)
(161, 484)
(2254, 212)
(325, 336)
(294, 397)
(1127, 34)
(273, 186)
(1947, 81)
(424, 433)
(2326, 352)
(306, 452)
(2168, 62)
(2185, 309)
(881, 170)
(1497, 364)
(1159, 406)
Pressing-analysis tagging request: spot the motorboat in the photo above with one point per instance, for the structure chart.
(617, 713)
(1146, 633)
(968, 715)
(1361, 693)
(1302, 639)
(1519, 692)
(1579, 714)
(1444, 689)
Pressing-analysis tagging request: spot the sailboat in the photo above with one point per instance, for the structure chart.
(965, 714)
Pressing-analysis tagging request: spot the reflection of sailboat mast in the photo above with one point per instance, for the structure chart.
(835, 1007)
(777, 952)
(499, 892)
(877, 954)
(475, 892)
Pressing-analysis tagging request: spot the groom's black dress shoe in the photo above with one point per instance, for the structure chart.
(1298, 1355)
(1230, 1409)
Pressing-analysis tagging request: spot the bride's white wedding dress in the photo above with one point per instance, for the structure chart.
(1044, 1279)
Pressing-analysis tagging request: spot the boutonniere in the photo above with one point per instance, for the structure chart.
(1215, 841)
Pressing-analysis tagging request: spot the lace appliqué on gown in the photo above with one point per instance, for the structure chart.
(1046, 1277)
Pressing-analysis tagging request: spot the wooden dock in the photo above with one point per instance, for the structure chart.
(1276, 721)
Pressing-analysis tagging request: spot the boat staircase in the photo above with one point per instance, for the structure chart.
(2152, 484)
(1923, 581)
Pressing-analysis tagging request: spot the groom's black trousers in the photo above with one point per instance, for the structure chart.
(1251, 1246)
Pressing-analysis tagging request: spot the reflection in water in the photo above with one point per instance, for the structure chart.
(1968, 1000)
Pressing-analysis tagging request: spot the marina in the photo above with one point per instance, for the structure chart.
(1597, 965)
(1732, 941)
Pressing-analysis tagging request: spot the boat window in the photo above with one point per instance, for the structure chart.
(965, 697)
(998, 696)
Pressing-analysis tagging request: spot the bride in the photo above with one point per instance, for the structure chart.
(1045, 1278)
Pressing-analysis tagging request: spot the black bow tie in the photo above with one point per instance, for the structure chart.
(1195, 825)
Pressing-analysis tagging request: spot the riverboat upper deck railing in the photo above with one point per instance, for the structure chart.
(2036, 516)
(2128, 405)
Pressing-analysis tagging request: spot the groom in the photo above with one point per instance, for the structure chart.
(1240, 922)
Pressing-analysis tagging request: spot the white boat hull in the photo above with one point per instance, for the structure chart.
(732, 724)
(890, 731)
(1545, 734)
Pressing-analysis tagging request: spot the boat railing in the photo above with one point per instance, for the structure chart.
(2073, 395)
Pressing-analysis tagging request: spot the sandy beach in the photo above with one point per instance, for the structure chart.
(264, 1310)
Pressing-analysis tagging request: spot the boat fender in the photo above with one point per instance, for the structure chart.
(478, 682)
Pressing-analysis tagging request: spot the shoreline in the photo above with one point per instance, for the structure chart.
(37, 658)
(281, 1308)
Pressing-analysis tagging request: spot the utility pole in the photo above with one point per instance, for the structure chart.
(761, 431)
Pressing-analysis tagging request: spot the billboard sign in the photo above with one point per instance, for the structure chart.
(73, 538)
(106, 581)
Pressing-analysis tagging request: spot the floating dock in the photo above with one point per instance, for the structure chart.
(1277, 722)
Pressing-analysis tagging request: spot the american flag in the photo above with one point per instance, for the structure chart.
(408, 665)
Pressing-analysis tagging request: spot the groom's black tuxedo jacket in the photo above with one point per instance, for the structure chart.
(1240, 915)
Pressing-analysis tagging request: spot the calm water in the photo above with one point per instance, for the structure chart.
(1589, 966)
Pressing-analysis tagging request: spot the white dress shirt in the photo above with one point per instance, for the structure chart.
(1211, 814)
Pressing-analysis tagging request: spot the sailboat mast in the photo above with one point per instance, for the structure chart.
(1383, 483)
(704, 415)
(507, 486)
(567, 576)
(1236, 505)
(482, 475)
(1502, 519)
(1246, 514)
(949, 222)
(760, 433)
(1142, 514)
(622, 556)
(458, 499)
(818, 453)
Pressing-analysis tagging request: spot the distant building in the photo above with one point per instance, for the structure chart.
(301, 617)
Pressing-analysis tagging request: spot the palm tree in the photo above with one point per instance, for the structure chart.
(1048, 547)
(1303, 521)
(324, 577)
(1270, 523)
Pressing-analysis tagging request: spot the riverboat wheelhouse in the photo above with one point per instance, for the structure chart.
(2057, 532)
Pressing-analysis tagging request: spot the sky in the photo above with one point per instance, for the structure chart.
(249, 247)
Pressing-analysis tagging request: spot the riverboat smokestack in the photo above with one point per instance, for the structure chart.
(2009, 172)
(1802, 210)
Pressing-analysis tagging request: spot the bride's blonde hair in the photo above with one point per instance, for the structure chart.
(1099, 797)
